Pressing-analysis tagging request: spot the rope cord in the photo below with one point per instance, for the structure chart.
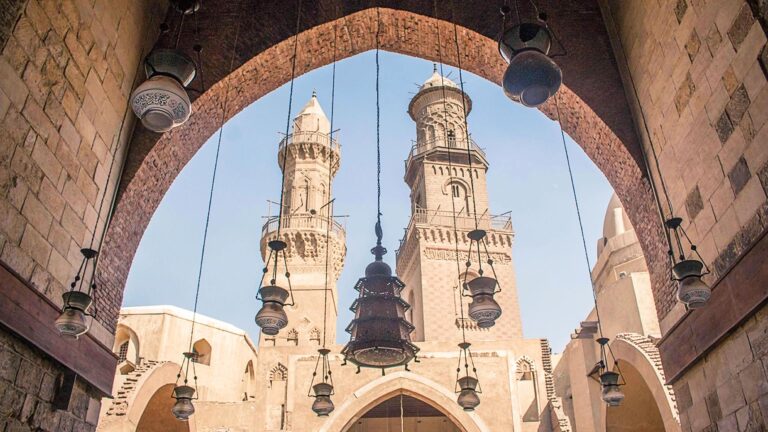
(210, 193)
(288, 120)
(378, 123)
(648, 170)
(450, 172)
(466, 123)
(329, 217)
(578, 215)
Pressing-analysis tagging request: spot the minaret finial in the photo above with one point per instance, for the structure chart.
(314, 93)
(434, 67)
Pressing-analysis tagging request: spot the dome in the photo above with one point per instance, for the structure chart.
(312, 118)
(437, 80)
(616, 221)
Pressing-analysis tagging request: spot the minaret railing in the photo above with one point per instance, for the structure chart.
(310, 137)
(420, 147)
(302, 221)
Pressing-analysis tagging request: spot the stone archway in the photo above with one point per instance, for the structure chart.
(595, 115)
(146, 399)
(649, 404)
(372, 394)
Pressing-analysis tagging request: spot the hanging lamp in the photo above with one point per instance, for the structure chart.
(610, 380)
(484, 309)
(73, 321)
(271, 318)
(532, 76)
(380, 334)
(184, 391)
(323, 389)
(162, 102)
(467, 384)
(687, 271)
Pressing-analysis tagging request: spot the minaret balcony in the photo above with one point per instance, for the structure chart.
(303, 222)
(309, 137)
(455, 146)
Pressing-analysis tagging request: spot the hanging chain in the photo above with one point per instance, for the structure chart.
(450, 173)
(288, 119)
(329, 217)
(605, 345)
(466, 123)
(378, 123)
(210, 192)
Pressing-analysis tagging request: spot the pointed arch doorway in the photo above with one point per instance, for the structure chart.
(416, 415)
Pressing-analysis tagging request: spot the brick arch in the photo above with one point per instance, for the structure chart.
(594, 111)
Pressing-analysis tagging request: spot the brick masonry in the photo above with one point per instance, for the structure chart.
(30, 391)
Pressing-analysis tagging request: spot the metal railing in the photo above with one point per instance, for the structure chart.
(456, 144)
(304, 221)
(464, 221)
(310, 137)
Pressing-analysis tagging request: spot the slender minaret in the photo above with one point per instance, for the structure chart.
(438, 173)
(306, 203)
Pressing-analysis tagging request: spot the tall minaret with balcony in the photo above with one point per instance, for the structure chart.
(311, 156)
(438, 171)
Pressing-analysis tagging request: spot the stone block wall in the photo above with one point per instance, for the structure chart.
(727, 391)
(699, 68)
(66, 71)
(30, 391)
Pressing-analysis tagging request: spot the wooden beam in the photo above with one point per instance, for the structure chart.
(30, 315)
(735, 297)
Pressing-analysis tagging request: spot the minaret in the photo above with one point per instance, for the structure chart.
(307, 199)
(438, 173)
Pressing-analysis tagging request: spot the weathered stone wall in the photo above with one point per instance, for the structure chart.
(29, 383)
(728, 389)
(699, 70)
(66, 70)
(699, 67)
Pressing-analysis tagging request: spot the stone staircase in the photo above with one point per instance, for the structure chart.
(119, 405)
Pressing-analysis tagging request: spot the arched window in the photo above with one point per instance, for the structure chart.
(249, 378)
(126, 346)
(293, 336)
(314, 335)
(201, 351)
(451, 138)
(455, 190)
(122, 354)
(528, 389)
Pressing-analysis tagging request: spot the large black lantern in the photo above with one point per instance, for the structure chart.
(380, 332)
(532, 76)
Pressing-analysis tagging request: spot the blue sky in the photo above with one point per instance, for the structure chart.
(527, 176)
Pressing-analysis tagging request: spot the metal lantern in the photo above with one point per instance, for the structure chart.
(183, 408)
(162, 102)
(467, 384)
(323, 390)
(610, 381)
(183, 392)
(532, 76)
(484, 309)
(380, 332)
(611, 394)
(687, 271)
(272, 317)
(73, 320)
